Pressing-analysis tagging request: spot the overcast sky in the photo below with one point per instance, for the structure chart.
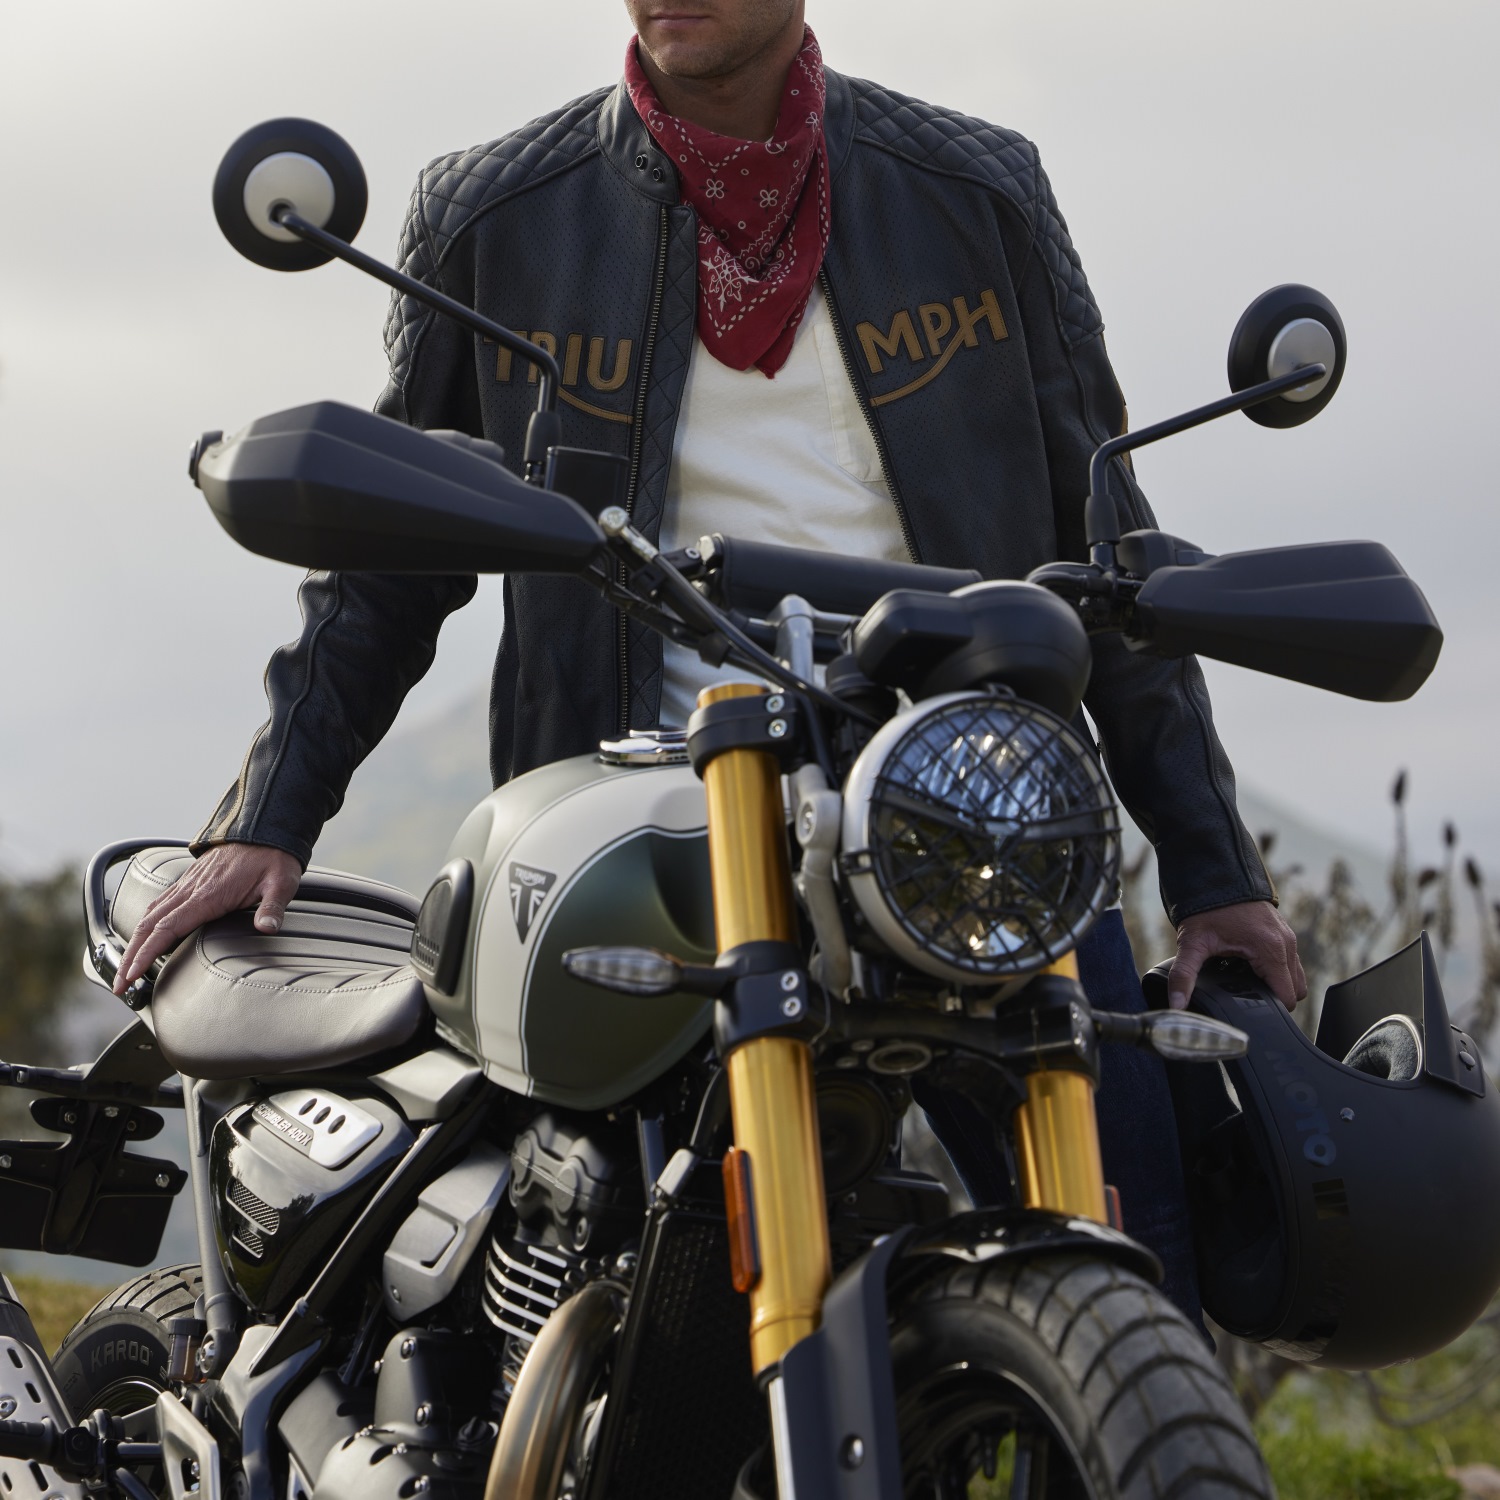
(1201, 152)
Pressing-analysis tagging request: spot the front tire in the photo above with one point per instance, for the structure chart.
(1073, 1370)
(115, 1357)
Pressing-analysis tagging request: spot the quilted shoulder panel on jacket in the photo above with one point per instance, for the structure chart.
(455, 189)
(1003, 160)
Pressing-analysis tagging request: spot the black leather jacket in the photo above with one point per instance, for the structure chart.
(969, 332)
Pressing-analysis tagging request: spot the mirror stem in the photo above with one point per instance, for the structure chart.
(1101, 521)
(551, 376)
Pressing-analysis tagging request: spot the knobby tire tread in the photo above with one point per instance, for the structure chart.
(1166, 1423)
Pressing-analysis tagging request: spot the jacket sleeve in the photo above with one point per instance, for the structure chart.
(366, 639)
(1154, 719)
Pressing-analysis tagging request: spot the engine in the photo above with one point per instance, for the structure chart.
(576, 1196)
(288, 1175)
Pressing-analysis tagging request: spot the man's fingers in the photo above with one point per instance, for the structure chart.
(165, 924)
(168, 930)
(276, 890)
(1183, 975)
(1299, 979)
(1278, 975)
(269, 914)
(132, 966)
(148, 948)
(228, 878)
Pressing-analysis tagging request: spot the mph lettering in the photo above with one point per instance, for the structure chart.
(945, 329)
(1311, 1121)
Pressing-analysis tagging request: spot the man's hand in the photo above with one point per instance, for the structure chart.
(228, 878)
(1252, 930)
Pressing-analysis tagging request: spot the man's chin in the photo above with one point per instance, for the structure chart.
(690, 61)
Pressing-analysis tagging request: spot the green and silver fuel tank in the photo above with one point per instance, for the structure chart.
(594, 850)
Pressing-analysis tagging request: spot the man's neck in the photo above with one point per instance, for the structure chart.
(742, 104)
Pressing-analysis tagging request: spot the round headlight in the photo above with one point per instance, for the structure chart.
(980, 837)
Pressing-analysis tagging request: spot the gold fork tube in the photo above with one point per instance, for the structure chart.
(770, 1078)
(747, 851)
(776, 1122)
(1057, 1137)
(1057, 1146)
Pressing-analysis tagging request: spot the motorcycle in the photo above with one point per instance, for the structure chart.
(582, 1176)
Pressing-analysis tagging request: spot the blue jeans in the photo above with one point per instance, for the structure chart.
(1137, 1129)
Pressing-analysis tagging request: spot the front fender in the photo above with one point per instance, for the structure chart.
(1006, 1233)
(837, 1387)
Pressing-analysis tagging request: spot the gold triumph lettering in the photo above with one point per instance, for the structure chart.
(570, 363)
(545, 341)
(572, 360)
(502, 358)
(903, 334)
(596, 364)
(936, 321)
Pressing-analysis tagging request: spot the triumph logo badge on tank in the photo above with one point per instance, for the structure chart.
(528, 890)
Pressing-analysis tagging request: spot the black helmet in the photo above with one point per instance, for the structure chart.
(1345, 1195)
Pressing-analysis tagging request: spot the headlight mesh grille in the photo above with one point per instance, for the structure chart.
(993, 836)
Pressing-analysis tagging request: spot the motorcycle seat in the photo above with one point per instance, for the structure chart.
(331, 987)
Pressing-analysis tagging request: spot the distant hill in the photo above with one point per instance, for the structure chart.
(407, 800)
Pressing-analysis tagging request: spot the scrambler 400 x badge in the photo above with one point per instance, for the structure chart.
(528, 890)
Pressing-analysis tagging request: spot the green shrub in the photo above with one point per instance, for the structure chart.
(1310, 1462)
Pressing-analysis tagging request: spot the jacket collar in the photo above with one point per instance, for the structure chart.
(629, 148)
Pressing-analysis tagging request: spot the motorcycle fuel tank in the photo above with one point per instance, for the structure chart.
(571, 855)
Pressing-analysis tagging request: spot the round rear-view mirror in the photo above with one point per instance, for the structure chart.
(296, 164)
(1284, 330)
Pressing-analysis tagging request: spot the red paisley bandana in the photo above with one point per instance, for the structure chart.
(762, 210)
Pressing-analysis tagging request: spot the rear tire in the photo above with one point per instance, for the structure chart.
(1075, 1367)
(115, 1357)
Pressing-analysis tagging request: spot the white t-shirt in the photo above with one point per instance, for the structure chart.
(790, 461)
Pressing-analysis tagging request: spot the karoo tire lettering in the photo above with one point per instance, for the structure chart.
(120, 1351)
(1311, 1121)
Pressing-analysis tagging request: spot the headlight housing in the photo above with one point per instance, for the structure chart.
(981, 838)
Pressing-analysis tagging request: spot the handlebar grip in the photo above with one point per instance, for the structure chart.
(32, 1441)
(756, 576)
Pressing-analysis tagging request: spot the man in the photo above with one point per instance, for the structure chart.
(807, 309)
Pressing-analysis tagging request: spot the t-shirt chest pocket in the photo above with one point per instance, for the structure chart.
(853, 442)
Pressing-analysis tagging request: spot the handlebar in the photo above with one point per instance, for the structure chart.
(756, 576)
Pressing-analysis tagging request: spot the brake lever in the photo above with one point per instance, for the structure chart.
(1104, 597)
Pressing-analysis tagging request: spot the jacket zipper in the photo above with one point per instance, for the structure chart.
(882, 452)
(636, 446)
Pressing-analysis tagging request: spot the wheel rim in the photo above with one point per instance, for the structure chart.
(121, 1398)
(971, 1434)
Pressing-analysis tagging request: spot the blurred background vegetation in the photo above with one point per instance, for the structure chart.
(41, 939)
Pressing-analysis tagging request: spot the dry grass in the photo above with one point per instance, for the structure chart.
(55, 1306)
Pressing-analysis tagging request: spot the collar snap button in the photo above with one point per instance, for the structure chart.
(640, 162)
